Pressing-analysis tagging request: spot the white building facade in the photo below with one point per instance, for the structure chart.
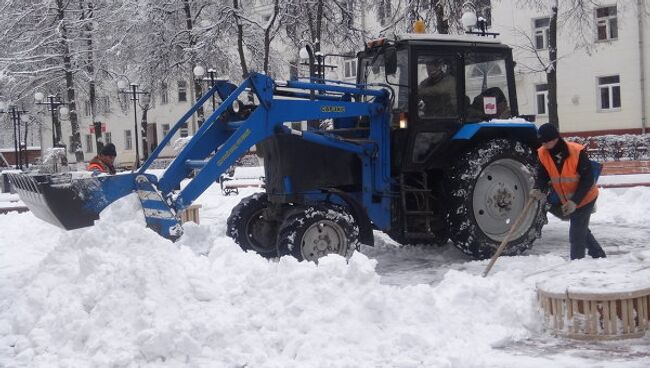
(602, 88)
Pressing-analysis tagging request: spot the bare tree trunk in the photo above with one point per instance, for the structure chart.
(442, 26)
(69, 81)
(90, 68)
(551, 73)
(198, 88)
(267, 35)
(240, 41)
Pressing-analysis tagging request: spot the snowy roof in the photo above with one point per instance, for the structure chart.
(445, 37)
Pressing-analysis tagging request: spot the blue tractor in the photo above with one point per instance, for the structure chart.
(421, 147)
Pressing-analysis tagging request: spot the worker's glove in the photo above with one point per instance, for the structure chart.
(568, 208)
(537, 194)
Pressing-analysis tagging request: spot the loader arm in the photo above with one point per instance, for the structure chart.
(219, 142)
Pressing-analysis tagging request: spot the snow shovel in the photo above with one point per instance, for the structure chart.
(505, 241)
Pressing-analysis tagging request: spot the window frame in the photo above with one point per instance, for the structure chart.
(543, 93)
(128, 140)
(607, 22)
(89, 143)
(182, 91)
(545, 33)
(610, 93)
(350, 68)
(165, 128)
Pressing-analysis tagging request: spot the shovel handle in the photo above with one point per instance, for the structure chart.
(505, 241)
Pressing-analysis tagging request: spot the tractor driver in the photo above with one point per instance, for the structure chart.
(103, 162)
(437, 92)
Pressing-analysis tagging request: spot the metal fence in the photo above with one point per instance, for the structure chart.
(616, 147)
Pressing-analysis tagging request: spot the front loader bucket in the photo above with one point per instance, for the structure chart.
(68, 202)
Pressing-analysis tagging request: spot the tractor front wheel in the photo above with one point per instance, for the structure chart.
(311, 232)
(489, 187)
(250, 229)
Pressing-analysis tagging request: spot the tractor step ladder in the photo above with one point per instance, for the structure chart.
(420, 212)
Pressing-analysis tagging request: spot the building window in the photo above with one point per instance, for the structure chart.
(164, 97)
(542, 32)
(606, 23)
(609, 92)
(541, 96)
(184, 131)
(108, 138)
(182, 91)
(89, 143)
(87, 108)
(128, 141)
(104, 105)
(165, 130)
(350, 68)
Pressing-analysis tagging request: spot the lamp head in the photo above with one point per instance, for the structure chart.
(199, 71)
(304, 54)
(39, 96)
(64, 111)
(121, 84)
(468, 20)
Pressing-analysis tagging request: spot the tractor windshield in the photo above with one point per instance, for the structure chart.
(372, 73)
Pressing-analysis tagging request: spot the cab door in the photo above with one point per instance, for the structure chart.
(434, 105)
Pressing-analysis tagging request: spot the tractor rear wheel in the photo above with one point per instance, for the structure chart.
(311, 232)
(489, 187)
(250, 229)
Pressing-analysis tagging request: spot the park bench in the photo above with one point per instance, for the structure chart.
(242, 176)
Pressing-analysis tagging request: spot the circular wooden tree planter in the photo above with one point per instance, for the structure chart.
(597, 300)
(597, 316)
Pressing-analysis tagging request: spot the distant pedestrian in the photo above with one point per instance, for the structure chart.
(566, 166)
(103, 162)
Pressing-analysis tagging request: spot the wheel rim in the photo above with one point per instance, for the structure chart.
(500, 194)
(322, 238)
(259, 233)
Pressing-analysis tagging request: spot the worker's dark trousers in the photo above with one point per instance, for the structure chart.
(580, 236)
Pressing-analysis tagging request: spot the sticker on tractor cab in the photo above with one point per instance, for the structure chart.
(490, 105)
(332, 109)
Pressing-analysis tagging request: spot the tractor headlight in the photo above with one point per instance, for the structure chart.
(403, 121)
(236, 106)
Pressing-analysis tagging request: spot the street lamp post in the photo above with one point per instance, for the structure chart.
(134, 97)
(16, 119)
(53, 103)
(199, 72)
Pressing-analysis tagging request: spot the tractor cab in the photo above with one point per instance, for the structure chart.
(439, 83)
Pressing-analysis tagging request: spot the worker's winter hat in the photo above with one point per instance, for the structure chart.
(547, 132)
(109, 150)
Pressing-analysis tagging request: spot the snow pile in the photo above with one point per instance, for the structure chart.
(626, 207)
(626, 274)
(117, 294)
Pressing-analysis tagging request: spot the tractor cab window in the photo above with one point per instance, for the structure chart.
(486, 87)
(436, 91)
(373, 74)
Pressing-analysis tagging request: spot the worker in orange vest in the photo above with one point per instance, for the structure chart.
(566, 166)
(103, 162)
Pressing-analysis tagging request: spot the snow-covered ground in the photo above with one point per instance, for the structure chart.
(118, 295)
